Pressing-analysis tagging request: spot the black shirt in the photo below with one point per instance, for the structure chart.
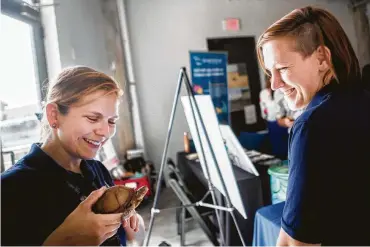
(37, 195)
(328, 196)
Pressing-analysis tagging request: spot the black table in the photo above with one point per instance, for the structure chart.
(250, 189)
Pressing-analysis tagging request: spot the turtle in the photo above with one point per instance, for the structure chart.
(120, 199)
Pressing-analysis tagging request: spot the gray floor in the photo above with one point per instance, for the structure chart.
(165, 227)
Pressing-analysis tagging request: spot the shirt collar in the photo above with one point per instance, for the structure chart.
(41, 160)
(323, 94)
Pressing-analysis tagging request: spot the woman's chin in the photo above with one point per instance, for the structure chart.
(295, 103)
(88, 155)
(292, 104)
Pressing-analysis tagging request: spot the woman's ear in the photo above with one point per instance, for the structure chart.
(325, 64)
(323, 58)
(52, 114)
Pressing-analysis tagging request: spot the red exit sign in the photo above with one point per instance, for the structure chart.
(231, 24)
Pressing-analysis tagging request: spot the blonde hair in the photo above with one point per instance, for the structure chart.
(70, 86)
(310, 28)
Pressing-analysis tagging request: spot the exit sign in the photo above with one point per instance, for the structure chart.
(231, 24)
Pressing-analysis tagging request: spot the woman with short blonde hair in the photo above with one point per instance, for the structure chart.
(310, 59)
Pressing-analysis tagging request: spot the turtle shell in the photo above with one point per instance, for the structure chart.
(115, 199)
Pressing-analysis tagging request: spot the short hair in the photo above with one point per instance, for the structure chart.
(310, 28)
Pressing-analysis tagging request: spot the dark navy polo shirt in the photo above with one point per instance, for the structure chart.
(328, 195)
(37, 195)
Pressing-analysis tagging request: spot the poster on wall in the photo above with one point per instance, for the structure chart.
(238, 86)
(209, 77)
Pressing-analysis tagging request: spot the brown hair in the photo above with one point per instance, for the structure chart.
(267, 81)
(70, 86)
(310, 28)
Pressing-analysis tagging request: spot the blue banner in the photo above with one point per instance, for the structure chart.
(209, 76)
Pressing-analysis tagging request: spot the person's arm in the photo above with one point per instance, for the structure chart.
(134, 225)
(285, 240)
(301, 220)
(21, 207)
(136, 231)
(285, 122)
(84, 227)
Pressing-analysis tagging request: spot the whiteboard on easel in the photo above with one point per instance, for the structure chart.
(207, 111)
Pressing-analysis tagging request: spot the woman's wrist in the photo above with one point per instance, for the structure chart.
(57, 238)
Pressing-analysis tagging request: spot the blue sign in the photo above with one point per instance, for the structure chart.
(209, 76)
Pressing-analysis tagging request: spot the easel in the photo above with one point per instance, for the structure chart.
(211, 190)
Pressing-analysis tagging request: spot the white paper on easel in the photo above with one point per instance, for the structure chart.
(236, 150)
(207, 111)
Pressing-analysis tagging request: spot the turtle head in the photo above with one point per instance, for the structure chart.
(140, 193)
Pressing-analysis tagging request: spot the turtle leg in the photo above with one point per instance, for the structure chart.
(128, 212)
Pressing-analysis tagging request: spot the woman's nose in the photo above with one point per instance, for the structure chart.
(276, 81)
(103, 129)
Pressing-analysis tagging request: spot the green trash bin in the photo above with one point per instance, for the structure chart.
(279, 182)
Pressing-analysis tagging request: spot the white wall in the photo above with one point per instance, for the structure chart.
(80, 26)
(163, 31)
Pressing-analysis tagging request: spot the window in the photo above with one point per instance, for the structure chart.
(18, 87)
(23, 69)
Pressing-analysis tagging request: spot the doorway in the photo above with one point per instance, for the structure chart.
(244, 82)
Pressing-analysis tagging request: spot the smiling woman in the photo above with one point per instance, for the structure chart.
(304, 51)
(57, 175)
(79, 86)
(309, 58)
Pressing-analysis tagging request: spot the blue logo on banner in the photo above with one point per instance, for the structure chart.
(209, 76)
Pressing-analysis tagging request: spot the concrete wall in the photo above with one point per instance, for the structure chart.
(81, 35)
(163, 31)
